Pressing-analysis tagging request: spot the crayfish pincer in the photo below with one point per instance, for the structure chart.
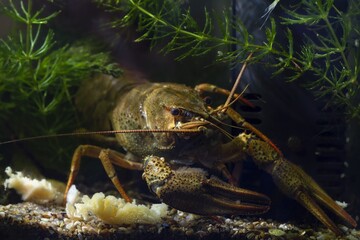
(171, 133)
(213, 196)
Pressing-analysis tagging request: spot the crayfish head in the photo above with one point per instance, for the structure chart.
(170, 106)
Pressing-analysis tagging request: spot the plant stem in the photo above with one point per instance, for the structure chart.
(337, 42)
(28, 29)
(177, 29)
(199, 37)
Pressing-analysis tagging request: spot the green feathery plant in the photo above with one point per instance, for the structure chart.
(331, 56)
(38, 78)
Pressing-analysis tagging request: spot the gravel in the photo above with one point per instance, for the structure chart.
(32, 221)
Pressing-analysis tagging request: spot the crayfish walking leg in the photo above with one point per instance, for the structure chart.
(107, 157)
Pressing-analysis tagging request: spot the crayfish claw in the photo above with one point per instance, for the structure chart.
(295, 183)
(218, 187)
(231, 200)
(321, 196)
(191, 190)
(307, 201)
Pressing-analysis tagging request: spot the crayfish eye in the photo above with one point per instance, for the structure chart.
(175, 111)
(207, 100)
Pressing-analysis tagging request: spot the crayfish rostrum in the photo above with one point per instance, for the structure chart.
(174, 137)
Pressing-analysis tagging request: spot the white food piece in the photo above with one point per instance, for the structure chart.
(73, 195)
(342, 204)
(33, 190)
(115, 211)
(109, 209)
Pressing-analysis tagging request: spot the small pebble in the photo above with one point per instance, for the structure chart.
(276, 232)
(250, 226)
(189, 232)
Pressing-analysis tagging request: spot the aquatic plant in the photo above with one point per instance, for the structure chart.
(38, 77)
(329, 53)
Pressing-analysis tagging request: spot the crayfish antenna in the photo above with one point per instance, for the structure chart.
(237, 82)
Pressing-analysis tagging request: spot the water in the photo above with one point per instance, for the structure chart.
(312, 133)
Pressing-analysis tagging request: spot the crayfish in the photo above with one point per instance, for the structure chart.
(174, 136)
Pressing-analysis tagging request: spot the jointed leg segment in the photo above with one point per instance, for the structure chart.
(107, 157)
(207, 87)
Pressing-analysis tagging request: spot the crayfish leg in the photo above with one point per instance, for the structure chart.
(107, 157)
(240, 121)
